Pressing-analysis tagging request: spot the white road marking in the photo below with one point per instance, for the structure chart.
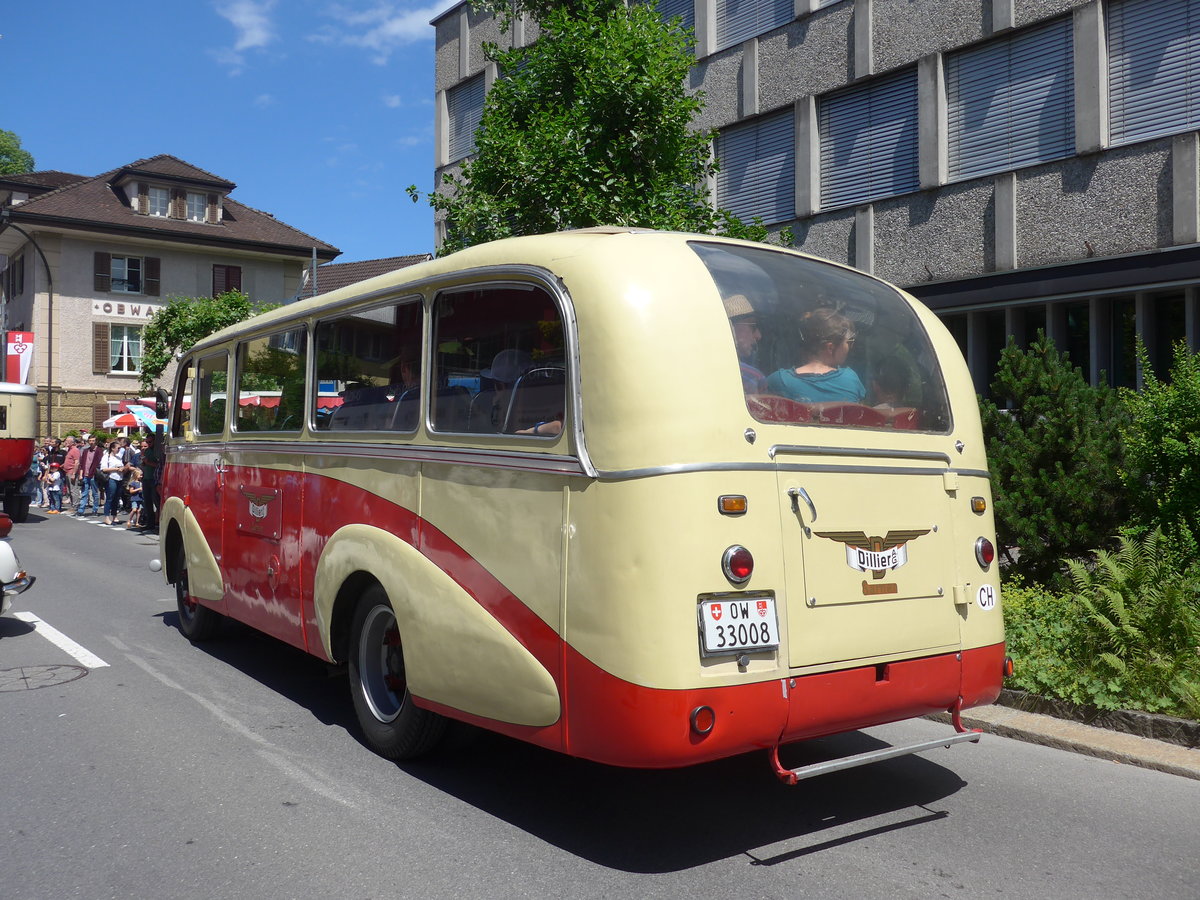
(60, 640)
(268, 751)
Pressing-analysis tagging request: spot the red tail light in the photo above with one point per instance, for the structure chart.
(985, 553)
(737, 564)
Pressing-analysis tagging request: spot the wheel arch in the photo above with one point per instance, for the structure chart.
(456, 653)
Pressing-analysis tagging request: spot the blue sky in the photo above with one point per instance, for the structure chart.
(321, 112)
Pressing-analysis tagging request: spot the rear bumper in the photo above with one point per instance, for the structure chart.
(628, 725)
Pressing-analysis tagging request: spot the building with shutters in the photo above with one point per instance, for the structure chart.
(87, 260)
(1016, 164)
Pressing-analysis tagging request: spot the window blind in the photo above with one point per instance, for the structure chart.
(758, 168)
(1010, 102)
(464, 107)
(740, 20)
(1153, 68)
(868, 139)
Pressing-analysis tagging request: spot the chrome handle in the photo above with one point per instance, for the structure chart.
(797, 494)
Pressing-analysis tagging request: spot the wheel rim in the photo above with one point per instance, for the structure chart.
(381, 665)
(187, 605)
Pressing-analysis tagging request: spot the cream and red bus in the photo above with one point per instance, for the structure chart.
(644, 498)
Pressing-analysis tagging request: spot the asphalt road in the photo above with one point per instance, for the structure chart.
(234, 771)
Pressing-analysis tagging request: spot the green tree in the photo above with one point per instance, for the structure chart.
(13, 159)
(185, 320)
(1163, 450)
(1055, 455)
(589, 125)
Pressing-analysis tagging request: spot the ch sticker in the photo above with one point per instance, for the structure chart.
(986, 597)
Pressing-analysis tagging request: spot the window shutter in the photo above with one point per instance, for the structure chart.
(143, 198)
(758, 168)
(99, 414)
(210, 213)
(101, 364)
(151, 269)
(869, 141)
(1010, 103)
(102, 265)
(740, 20)
(685, 9)
(233, 278)
(464, 105)
(178, 209)
(1153, 68)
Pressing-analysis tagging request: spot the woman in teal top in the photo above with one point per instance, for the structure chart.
(828, 338)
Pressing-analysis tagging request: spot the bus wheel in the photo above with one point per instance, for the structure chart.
(16, 507)
(393, 726)
(196, 622)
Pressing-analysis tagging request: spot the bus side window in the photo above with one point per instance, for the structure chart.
(206, 398)
(271, 382)
(369, 369)
(498, 363)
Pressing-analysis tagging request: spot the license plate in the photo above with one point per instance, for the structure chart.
(741, 623)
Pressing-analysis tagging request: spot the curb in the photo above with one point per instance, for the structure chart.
(1076, 737)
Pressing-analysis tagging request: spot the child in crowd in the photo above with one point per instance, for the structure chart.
(134, 490)
(54, 488)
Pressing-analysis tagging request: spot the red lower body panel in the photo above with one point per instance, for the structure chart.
(612, 721)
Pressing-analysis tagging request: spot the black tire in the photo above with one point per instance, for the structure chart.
(393, 726)
(196, 622)
(16, 507)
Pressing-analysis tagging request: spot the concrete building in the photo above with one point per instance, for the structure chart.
(87, 260)
(1016, 164)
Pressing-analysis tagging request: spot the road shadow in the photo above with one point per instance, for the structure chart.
(632, 820)
(10, 628)
(308, 682)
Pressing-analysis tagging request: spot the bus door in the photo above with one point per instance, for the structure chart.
(869, 560)
(197, 473)
(263, 486)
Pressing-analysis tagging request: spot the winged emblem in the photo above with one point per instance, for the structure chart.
(258, 502)
(875, 547)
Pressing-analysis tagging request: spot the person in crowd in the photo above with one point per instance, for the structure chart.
(70, 469)
(744, 322)
(134, 489)
(89, 469)
(151, 465)
(112, 468)
(54, 488)
(827, 337)
(40, 465)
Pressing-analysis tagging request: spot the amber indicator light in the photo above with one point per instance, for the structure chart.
(732, 504)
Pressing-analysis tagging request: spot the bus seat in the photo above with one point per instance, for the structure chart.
(908, 417)
(479, 415)
(773, 408)
(452, 407)
(851, 414)
(538, 396)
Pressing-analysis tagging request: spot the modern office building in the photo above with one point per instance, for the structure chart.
(1016, 164)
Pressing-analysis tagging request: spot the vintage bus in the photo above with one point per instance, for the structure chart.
(18, 421)
(573, 488)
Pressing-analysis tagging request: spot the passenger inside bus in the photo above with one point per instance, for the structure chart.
(827, 337)
(746, 335)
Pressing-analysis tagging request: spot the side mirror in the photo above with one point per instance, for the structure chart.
(161, 403)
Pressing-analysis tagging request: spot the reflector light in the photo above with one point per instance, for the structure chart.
(978, 505)
(985, 553)
(738, 564)
(732, 504)
(703, 719)
(1008, 667)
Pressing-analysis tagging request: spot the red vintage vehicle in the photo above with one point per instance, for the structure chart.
(18, 420)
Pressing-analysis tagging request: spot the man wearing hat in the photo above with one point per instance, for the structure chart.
(744, 322)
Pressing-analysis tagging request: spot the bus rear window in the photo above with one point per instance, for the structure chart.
(818, 344)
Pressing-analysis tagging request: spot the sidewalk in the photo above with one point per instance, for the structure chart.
(1076, 737)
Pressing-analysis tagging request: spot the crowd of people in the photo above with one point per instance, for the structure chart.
(86, 477)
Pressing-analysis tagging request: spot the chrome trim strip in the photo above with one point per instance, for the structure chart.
(501, 459)
(807, 450)
(689, 468)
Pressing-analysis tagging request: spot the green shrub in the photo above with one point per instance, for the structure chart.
(1162, 440)
(1055, 455)
(1126, 635)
